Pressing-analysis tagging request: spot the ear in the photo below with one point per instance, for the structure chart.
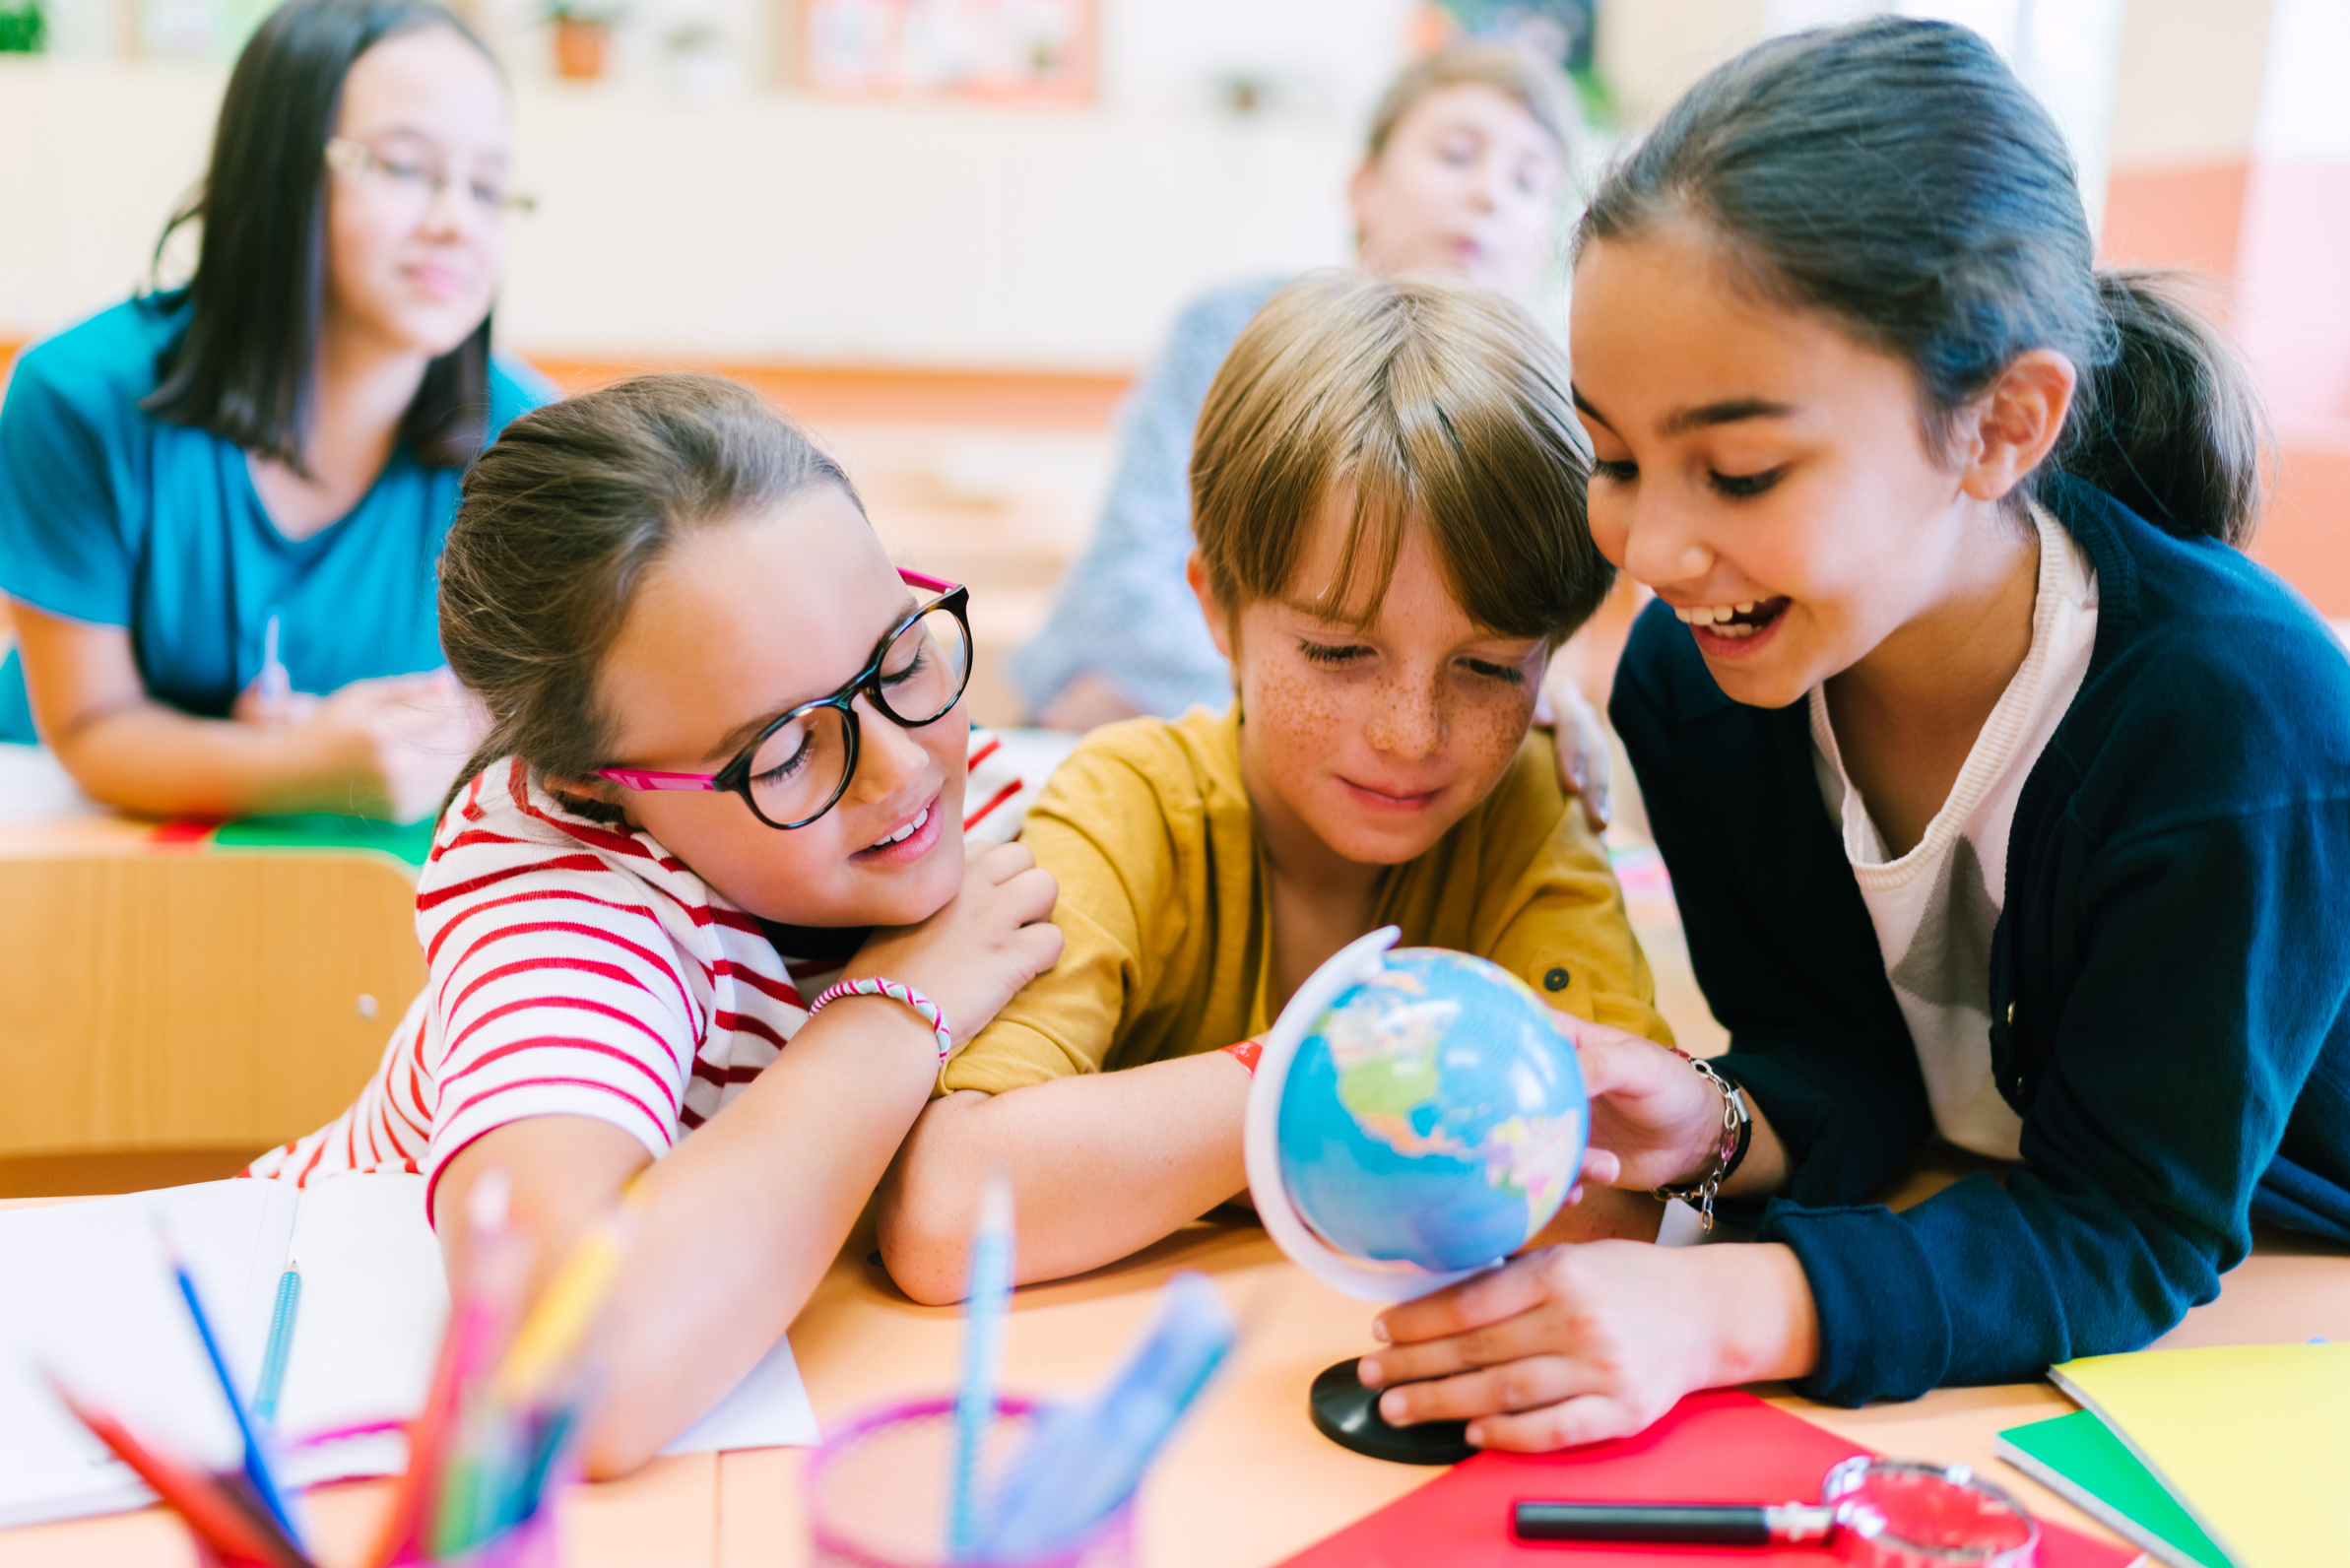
(1358, 200)
(2012, 427)
(1219, 622)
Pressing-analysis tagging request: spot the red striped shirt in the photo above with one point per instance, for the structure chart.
(576, 969)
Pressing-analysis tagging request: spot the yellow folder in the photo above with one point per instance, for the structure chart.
(2252, 1440)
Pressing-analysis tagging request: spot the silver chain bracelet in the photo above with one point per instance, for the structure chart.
(1735, 1121)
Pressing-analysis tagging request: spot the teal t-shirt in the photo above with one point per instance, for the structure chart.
(109, 515)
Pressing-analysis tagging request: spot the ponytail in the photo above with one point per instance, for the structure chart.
(1896, 177)
(2169, 424)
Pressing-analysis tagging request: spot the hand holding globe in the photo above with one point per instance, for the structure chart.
(1416, 1118)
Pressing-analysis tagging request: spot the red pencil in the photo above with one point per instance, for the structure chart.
(228, 1528)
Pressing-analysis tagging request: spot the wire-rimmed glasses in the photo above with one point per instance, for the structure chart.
(423, 180)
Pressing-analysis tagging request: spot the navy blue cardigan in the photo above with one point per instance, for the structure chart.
(2168, 976)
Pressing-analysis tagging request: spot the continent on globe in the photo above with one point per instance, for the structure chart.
(1432, 1115)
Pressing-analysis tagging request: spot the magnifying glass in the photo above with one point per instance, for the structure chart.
(1872, 1513)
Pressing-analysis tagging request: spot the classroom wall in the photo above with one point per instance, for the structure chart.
(769, 225)
(2066, 51)
(2232, 159)
(755, 226)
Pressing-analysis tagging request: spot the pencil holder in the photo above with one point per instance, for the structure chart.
(533, 1541)
(876, 1491)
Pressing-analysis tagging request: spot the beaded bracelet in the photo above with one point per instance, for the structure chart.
(873, 986)
(1737, 1128)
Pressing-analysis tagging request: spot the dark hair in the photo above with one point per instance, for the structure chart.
(1897, 177)
(559, 521)
(1432, 402)
(244, 368)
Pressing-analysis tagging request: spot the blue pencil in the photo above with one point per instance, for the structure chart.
(271, 1381)
(983, 1355)
(256, 1467)
(1086, 1462)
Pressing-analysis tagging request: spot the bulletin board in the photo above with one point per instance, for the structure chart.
(1001, 51)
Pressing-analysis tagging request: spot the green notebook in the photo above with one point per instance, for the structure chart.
(411, 842)
(2075, 1457)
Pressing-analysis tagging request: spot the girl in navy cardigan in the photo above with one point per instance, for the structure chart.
(2004, 800)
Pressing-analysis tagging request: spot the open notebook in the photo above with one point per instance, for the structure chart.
(84, 1290)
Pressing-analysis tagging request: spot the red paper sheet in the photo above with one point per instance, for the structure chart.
(1721, 1447)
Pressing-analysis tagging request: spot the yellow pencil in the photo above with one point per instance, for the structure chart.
(551, 1334)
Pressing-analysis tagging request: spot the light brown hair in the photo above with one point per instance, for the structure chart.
(1536, 85)
(561, 519)
(1431, 403)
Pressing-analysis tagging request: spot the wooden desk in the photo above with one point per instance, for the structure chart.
(1248, 1483)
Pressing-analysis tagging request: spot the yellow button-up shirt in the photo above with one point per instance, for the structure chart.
(1166, 906)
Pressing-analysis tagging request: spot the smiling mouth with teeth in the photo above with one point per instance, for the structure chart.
(1734, 620)
(905, 832)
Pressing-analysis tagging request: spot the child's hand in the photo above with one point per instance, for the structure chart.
(399, 740)
(1660, 1119)
(1566, 1345)
(1577, 1344)
(1580, 739)
(266, 709)
(974, 954)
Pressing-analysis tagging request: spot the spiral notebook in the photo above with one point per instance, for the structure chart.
(85, 1292)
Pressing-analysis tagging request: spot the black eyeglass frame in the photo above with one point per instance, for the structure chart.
(735, 777)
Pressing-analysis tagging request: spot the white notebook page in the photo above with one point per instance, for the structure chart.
(85, 1290)
(374, 1301)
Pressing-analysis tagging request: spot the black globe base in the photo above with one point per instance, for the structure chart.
(1347, 1413)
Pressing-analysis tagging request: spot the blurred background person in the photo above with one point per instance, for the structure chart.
(1463, 172)
(220, 505)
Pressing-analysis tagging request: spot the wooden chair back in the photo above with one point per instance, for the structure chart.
(160, 1001)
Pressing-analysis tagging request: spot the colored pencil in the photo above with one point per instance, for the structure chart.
(197, 1498)
(984, 1306)
(256, 1463)
(272, 1382)
(557, 1326)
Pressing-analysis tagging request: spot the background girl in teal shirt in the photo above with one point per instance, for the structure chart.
(277, 444)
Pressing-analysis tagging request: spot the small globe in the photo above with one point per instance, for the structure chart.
(1433, 1116)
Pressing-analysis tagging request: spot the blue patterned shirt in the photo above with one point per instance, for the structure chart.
(1124, 610)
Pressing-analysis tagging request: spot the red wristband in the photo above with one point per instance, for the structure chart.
(1246, 1054)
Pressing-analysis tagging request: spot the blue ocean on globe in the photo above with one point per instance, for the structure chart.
(1432, 1115)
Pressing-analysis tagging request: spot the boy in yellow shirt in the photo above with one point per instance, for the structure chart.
(1387, 494)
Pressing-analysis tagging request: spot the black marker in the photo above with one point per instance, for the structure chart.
(1690, 1524)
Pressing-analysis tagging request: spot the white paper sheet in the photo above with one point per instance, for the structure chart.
(85, 1292)
(35, 787)
(374, 1299)
(84, 1289)
(768, 1408)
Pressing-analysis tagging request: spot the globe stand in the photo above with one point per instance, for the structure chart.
(1347, 1413)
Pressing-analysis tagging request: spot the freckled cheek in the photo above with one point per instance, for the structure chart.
(1486, 736)
(1300, 721)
